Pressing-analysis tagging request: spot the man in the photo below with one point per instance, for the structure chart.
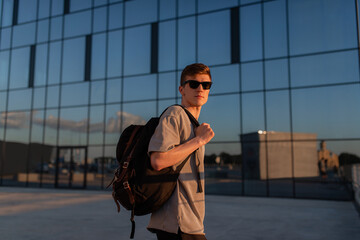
(174, 140)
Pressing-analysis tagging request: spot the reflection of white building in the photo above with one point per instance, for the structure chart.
(269, 155)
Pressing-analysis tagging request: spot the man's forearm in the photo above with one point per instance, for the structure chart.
(161, 160)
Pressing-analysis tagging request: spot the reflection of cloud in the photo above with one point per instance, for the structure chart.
(114, 123)
(14, 119)
(21, 120)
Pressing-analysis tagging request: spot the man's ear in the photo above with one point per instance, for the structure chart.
(181, 90)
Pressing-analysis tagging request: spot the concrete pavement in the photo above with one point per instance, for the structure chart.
(33, 213)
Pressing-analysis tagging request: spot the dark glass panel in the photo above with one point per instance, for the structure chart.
(97, 92)
(114, 68)
(328, 112)
(279, 164)
(96, 127)
(54, 63)
(249, 1)
(225, 79)
(77, 24)
(138, 113)
(56, 28)
(278, 112)
(163, 104)
(253, 112)
(137, 50)
(4, 69)
(252, 76)
(41, 64)
(254, 163)
(250, 33)
(75, 94)
(223, 173)
(186, 7)
(167, 85)
(76, 5)
(98, 56)
(24, 34)
(5, 38)
(17, 126)
(100, 15)
(210, 5)
(113, 91)
(327, 25)
(73, 126)
(3, 102)
(110, 165)
(167, 47)
(20, 100)
(27, 10)
(223, 115)
(340, 67)
(113, 123)
(39, 97)
(167, 9)
(57, 7)
(43, 31)
(276, 74)
(186, 42)
(132, 86)
(44, 8)
(116, 16)
(141, 11)
(19, 71)
(328, 163)
(73, 60)
(37, 126)
(100, 2)
(51, 126)
(52, 97)
(96, 168)
(214, 38)
(7, 13)
(275, 29)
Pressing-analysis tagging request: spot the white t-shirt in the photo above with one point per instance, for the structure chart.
(186, 207)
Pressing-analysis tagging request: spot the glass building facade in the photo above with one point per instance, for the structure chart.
(75, 73)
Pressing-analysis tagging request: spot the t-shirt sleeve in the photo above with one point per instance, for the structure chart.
(166, 135)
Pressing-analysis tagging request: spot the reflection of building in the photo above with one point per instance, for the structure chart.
(328, 161)
(74, 73)
(25, 157)
(269, 155)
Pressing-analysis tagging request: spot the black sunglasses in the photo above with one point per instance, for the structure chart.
(195, 84)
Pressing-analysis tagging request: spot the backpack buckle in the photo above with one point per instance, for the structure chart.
(126, 185)
(125, 164)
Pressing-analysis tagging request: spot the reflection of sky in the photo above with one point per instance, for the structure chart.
(328, 111)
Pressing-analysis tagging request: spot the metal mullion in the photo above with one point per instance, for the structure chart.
(357, 30)
(89, 99)
(290, 101)
(3, 142)
(105, 89)
(264, 101)
(2, 164)
(31, 84)
(241, 109)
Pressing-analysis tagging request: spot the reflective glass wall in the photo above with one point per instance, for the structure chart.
(284, 104)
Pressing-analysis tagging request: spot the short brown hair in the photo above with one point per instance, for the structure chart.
(194, 69)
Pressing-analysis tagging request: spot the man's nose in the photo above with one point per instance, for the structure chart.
(200, 88)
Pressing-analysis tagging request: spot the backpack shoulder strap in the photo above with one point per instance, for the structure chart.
(191, 117)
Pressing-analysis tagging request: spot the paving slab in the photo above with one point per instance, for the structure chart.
(35, 213)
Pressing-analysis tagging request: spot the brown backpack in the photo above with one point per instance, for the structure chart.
(136, 185)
